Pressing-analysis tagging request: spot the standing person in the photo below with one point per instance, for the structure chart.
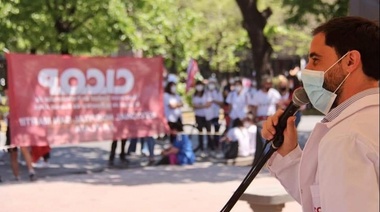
(283, 89)
(201, 102)
(287, 97)
(338, 169)
(252, 88)
(147, 143)
(40, 151)
(212, 113)
(238, 101)
(113, 151)
(294, 83)
(226, 108)
(265, 102)
(172, 107)
(133, 146)
(13, 152)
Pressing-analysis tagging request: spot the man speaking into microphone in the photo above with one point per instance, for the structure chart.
(338, 169)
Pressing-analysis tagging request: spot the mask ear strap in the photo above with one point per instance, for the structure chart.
(336, 62)
(342, 82)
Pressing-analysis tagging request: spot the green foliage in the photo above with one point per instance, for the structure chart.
(209, 31)
(49, 26)
(289, 28)
(303, 12)
(220, 33)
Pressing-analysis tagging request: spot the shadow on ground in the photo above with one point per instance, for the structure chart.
(206, 172)
(73, 160)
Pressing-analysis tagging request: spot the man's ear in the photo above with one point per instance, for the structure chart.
(353, 61)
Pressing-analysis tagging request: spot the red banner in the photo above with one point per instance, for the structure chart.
(191, 71)
(57, 99)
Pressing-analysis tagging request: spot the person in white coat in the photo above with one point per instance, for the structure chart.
(201, 102)
(237, 100)
(338, 169)
(213, 112)
(172, 107)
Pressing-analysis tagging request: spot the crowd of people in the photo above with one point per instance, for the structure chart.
(233, 102)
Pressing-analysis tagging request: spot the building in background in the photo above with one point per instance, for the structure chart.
(364, 8)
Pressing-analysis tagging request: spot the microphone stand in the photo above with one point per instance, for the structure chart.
(299, 98)
(276, 143)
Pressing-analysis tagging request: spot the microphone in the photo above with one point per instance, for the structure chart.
(299, 99)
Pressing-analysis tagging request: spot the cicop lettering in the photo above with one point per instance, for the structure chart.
(73, 81)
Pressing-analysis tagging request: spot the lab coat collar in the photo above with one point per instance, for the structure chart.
(367, 101)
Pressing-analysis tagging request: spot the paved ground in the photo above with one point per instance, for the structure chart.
(202, 187)
(78, 179)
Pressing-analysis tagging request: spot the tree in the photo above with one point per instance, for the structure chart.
(314, 11)
(299, 13)
(220, 35)
(254, 22)
(64, 26)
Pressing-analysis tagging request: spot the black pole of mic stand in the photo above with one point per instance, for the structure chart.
(251, 175)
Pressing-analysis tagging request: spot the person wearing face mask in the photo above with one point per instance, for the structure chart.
(227, 89)
(201, 102)
(265, 102)
(286, 93)
(238, 101)
(212, 113)
(338, 169)
(252, 132)
(283, 89)
(236, 141)
(172, 107)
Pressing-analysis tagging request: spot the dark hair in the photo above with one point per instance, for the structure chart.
(168, 86)
(266, 79)
(250, 117)
(354, 33)
(199, 93)
(237, 123)
(238, 82)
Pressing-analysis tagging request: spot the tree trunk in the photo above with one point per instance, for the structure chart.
(254, 22)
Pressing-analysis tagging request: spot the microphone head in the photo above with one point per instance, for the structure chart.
(300, 97)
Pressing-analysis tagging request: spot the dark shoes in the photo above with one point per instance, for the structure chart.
(32, 177)
(111, 163)
(122, 157)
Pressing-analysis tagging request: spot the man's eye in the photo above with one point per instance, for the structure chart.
(314, 60)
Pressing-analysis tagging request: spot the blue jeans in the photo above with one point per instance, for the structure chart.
(150, 142)
(146, 142)
(132, 146)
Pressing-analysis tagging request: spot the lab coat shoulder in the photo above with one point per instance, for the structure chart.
(348, 159)
(360, 122)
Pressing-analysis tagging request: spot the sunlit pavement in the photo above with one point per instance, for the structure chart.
(201, 187)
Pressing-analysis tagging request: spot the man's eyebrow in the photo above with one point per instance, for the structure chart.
(313, 54)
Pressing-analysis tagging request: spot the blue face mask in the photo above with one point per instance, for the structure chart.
(321, 98)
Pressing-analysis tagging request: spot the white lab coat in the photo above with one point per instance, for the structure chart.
(338, 170)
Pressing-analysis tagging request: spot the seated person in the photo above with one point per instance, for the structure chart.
(252, 132)
(237, 141)
(180, 152)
